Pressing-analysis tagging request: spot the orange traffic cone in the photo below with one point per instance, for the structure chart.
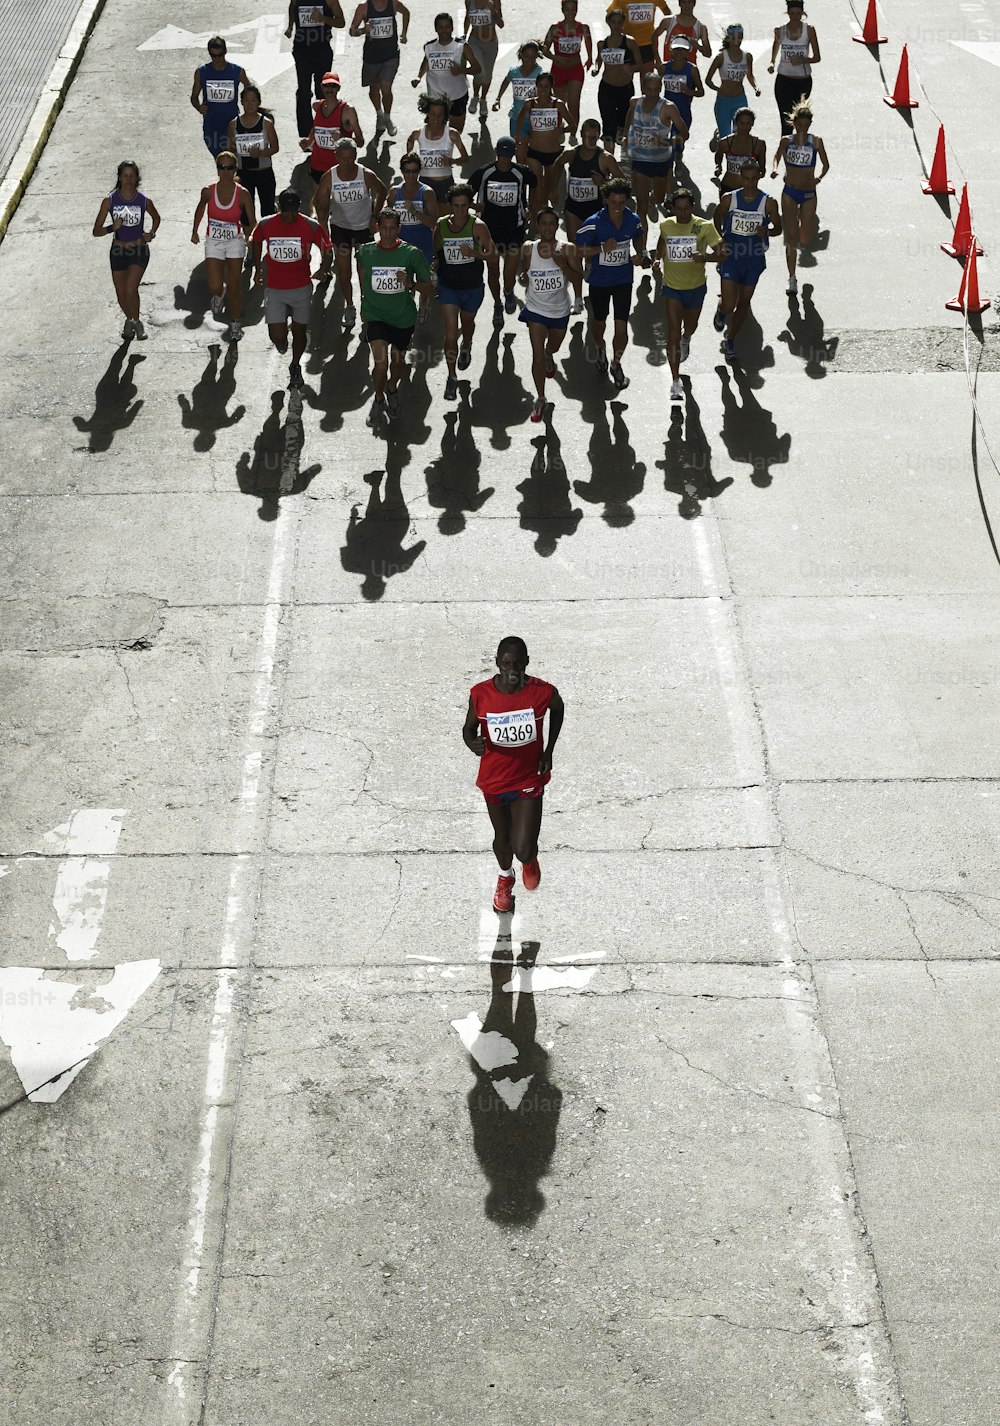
(968, 299)
(938, 181)
(870, 35)
(959, 245)
(901, 98)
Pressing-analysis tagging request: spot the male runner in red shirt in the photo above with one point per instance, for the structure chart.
(503, 728)
(289, 238)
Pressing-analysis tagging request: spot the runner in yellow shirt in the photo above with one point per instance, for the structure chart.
(686, 244)
(640, 18)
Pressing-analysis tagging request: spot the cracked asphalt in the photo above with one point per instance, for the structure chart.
(707, 1131)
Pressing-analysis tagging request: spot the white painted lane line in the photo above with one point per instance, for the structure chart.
(53, 1027)
(81, 892)
(189, 1342)
(853, 1295)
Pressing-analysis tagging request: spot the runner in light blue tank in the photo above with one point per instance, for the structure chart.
(521, 82)
(746, 218)
(417, 206)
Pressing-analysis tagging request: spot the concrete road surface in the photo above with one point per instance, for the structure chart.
(296, 1129)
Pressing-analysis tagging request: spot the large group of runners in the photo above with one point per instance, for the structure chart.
(563, 203)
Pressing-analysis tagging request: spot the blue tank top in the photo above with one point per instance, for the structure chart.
(645, 130)
(418, 234)
(221, 87)
(673, 82)
(801, 155)
(132, 212)
(744, 216)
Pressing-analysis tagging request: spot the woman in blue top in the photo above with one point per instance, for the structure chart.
(127, 208)
(417, 206)
(681, 84)
(800, 149)
(521, 82)
(746, 218)
(215, 94)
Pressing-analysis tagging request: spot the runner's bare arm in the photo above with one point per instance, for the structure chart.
(199, 213)
(196, 100)
(471, 735)
(557, 712)
(99, 230)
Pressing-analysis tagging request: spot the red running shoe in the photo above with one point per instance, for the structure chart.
(503, 897)
(531, 875)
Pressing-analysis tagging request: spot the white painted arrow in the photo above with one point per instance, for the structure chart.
(82, 882)
(989, 50)
(52, 1031)
(263, 63)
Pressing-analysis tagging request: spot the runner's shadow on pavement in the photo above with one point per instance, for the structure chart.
(687, 462)
(344, 379)
(514, 1107)
(500, 399)
(115, 407)
(546, 507)
(205, 412)
(195, 299)
(753, 354)
(374, 542)
(804, 337)
(272, 470)
(648, 325)
(748, 429)
(453, 479)
(616, 477)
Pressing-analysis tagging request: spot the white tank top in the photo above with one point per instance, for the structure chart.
(733, 71)
(440, 59)
(547, 294)
(790, 47)
(436, 155)
(350, 201)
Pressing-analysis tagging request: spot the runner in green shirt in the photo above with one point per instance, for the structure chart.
(389, 272)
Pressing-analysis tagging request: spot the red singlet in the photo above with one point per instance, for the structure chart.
(327, 129)
(511, 723)
(288, 249)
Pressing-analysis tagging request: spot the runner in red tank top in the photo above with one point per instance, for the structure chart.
(333, 119)
(503, 727)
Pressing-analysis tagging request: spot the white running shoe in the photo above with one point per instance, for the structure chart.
(390, 127)
(793, 286)
(685, 348)
(140, 330)
(128, 331)
(677, 390)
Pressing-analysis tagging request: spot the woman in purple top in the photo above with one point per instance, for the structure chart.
(127, 208)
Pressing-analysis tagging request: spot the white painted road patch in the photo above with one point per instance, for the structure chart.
(50, 1039)
(81, 892)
